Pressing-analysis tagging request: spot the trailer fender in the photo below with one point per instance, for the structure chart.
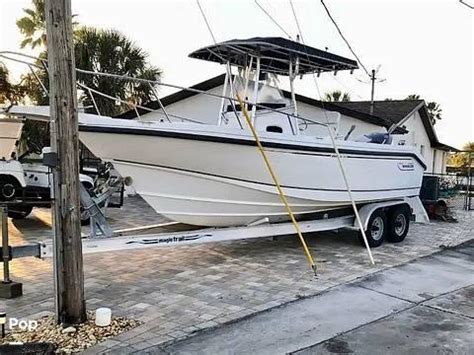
(366, 211)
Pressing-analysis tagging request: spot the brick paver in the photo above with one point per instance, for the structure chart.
(181, 290)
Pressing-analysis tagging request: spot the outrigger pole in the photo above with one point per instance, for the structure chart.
(277, 185)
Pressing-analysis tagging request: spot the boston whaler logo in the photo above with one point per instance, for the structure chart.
(406, 166)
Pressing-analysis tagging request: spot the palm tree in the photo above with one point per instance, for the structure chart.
(33, 25)
(4, 84)
(413, 97)
(469, 146)
(107, 51)
(10, 93)
(14, 93)
(434, 110)
(461, 159)
(95, 50)
(110, 51)
(336, 96)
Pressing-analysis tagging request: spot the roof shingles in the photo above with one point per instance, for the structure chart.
(392, 110)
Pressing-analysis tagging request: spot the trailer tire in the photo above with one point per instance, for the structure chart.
(376, 229)
(398, 223)
(85, 217)
(19, 212)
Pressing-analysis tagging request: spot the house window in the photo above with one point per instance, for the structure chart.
(422, 150)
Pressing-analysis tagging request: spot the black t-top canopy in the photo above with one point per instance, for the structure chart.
(275, 54)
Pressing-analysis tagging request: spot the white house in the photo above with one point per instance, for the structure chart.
(411, 116)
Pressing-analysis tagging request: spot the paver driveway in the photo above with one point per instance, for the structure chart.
(177, 291)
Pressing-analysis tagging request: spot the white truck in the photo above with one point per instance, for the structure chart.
(24, 185)
(25, 181)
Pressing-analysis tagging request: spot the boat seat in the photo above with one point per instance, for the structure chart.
(377, 138)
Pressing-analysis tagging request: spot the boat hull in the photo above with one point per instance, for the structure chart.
(221, 180)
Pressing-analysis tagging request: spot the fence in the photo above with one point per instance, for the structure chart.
(457, 189)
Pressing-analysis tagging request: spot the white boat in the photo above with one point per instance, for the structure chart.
(214, 175)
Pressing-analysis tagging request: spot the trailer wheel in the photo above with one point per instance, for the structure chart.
(85, 216)
(376, 229)
(399, 223)
(19, 212)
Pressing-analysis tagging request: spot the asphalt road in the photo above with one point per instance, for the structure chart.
(423, 307)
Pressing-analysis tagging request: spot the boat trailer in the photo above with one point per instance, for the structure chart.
(261, 229)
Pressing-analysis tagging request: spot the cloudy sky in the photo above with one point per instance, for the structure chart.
(423, 47)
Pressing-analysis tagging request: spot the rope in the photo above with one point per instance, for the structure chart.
(277, 184)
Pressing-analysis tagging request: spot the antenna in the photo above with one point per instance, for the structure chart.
(373, 79)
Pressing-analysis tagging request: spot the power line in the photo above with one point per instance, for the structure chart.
(470, 6)
(344, 38)
(300, 32)
(271, 18)
(302, 40)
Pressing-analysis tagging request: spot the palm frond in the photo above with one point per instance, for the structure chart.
(26, 26)
(112, 52)
(25, 42)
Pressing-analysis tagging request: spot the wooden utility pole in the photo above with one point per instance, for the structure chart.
(372, 93)
(68, 267)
